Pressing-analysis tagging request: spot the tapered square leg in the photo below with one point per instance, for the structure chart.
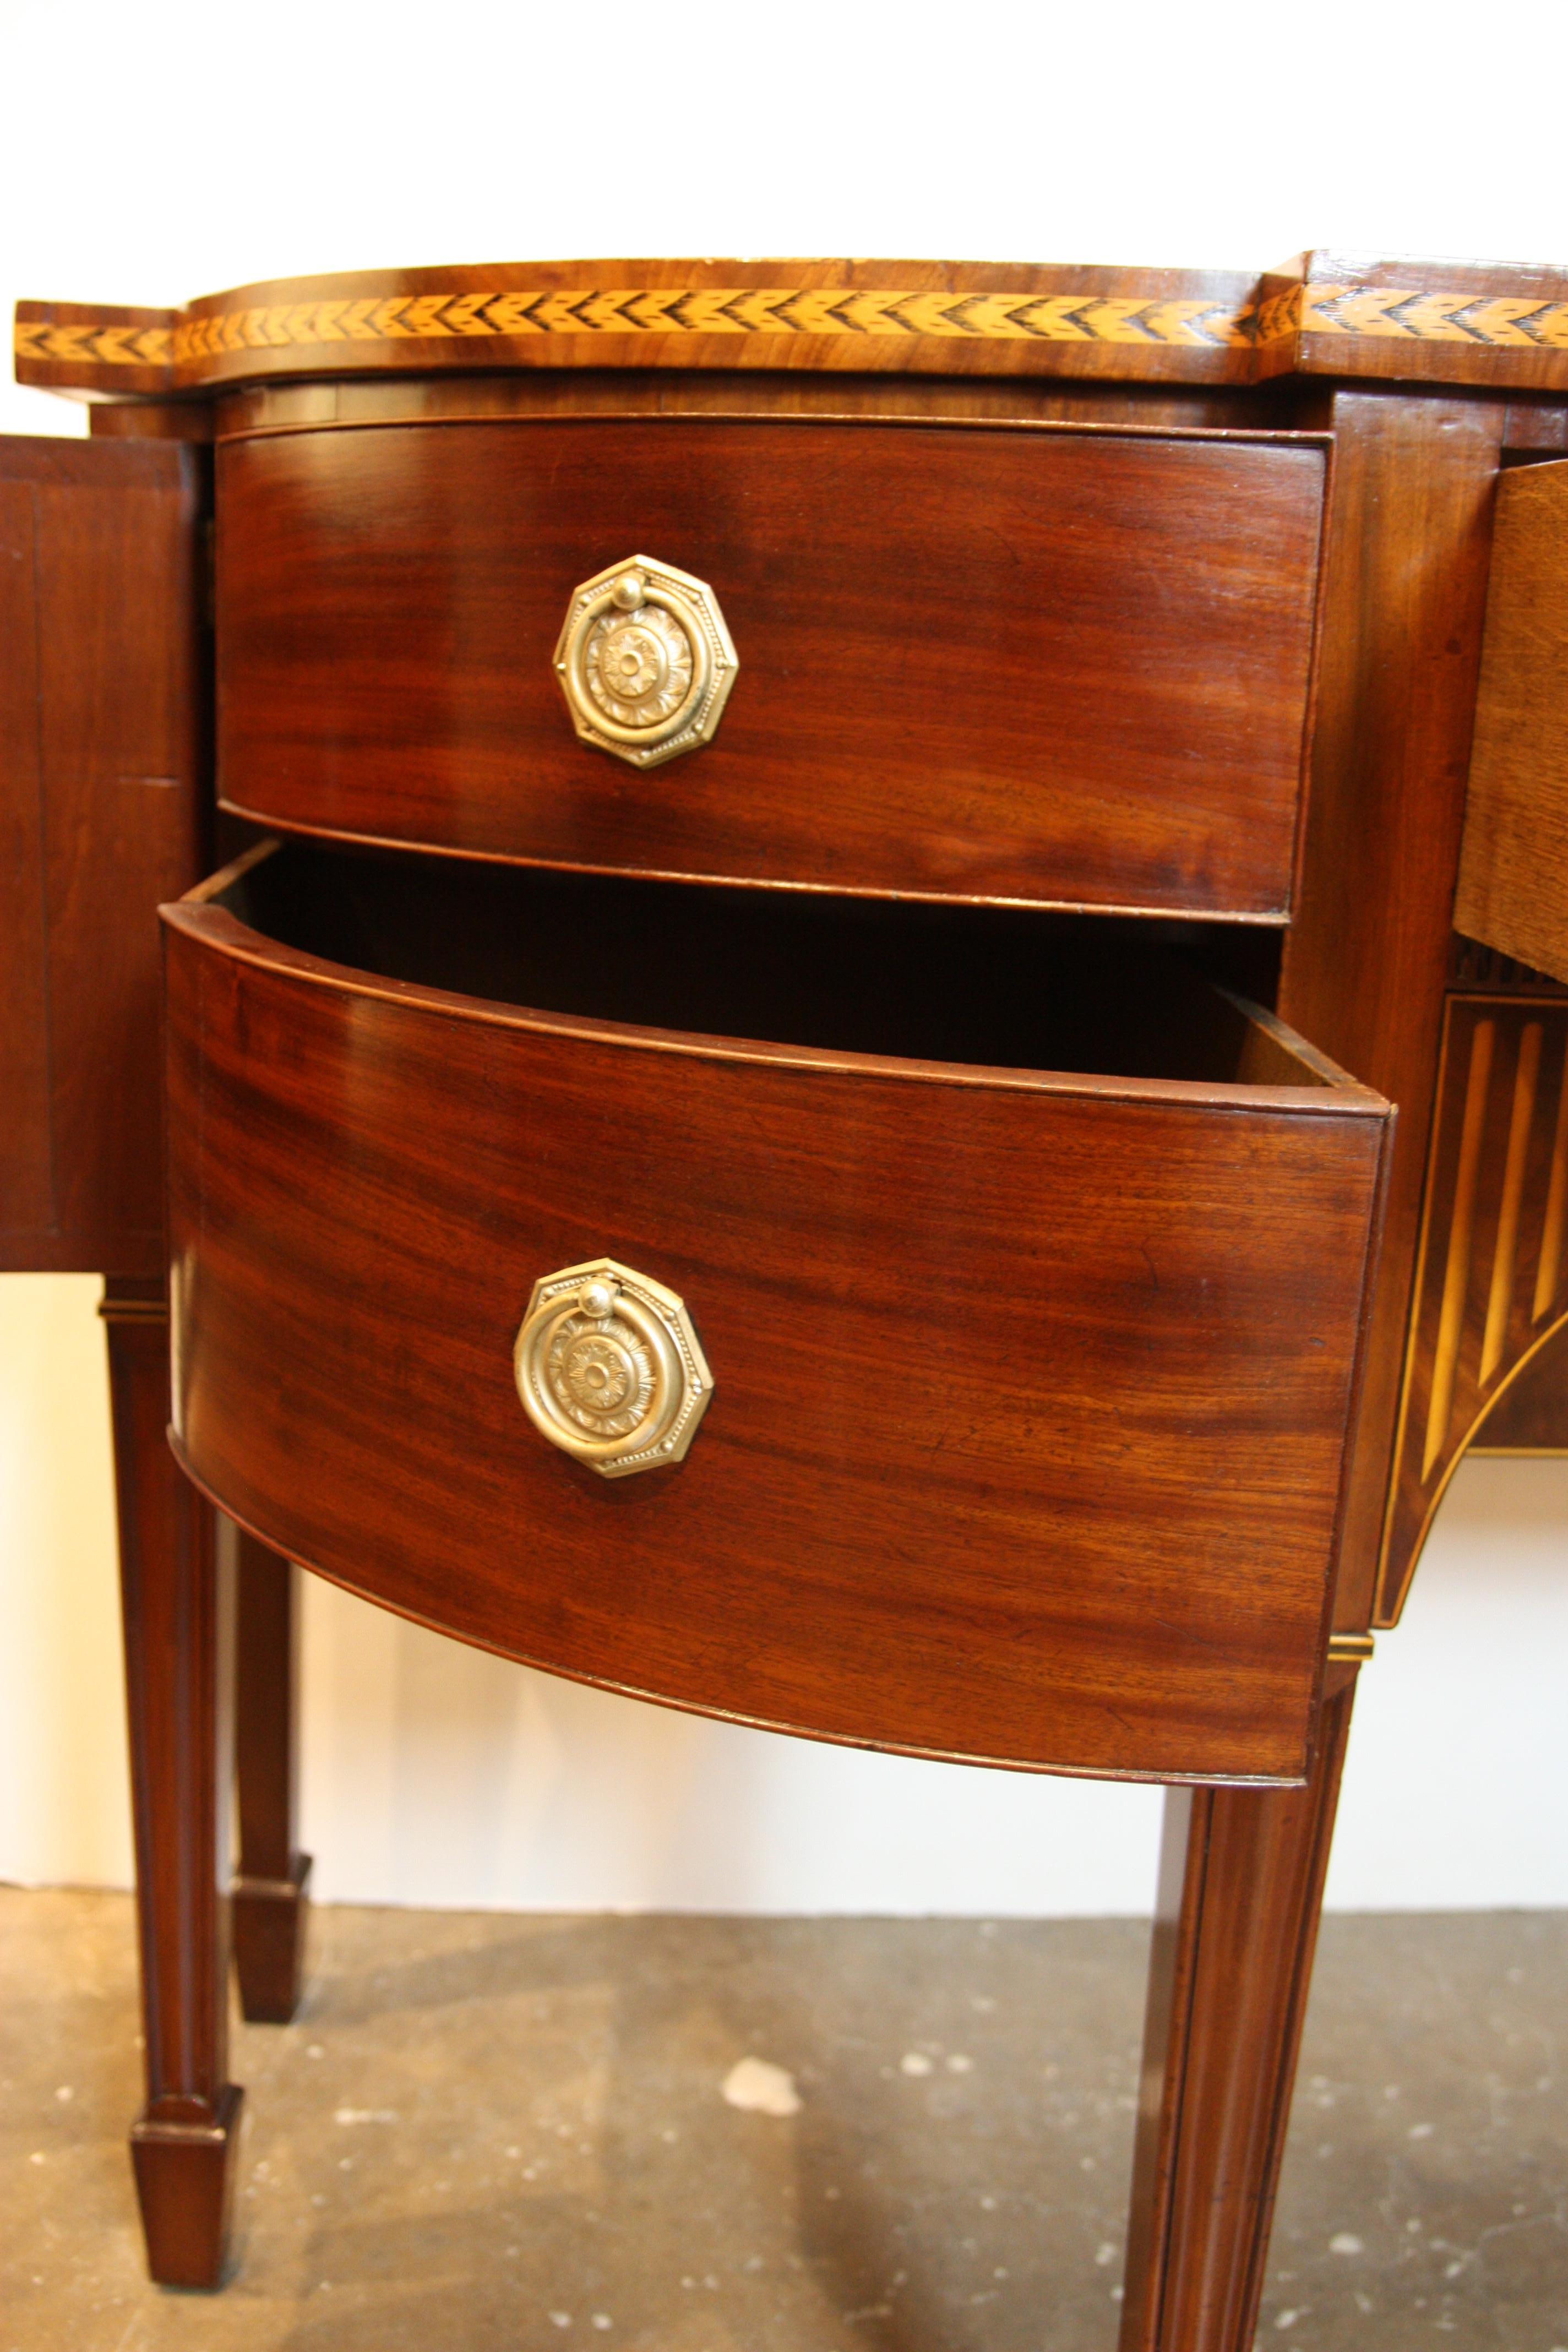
(183, 2143)
(1241, 1886)
(269, 1898)
(184, 2186)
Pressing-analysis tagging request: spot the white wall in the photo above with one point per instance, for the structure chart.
(147, 158)
(64, 1797)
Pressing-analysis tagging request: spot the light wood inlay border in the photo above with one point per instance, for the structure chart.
(1394, 312)
(1402, 314)
(107, 346)
(1216, 325)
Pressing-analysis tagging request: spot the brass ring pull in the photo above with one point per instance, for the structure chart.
(609, 1368)
(645, 661)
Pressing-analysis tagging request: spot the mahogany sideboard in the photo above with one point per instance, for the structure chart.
(796, 898)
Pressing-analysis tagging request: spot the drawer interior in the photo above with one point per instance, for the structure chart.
(980, 987)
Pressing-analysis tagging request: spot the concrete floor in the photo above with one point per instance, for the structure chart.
(499, 2131)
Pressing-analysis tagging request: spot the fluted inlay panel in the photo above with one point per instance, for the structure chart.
(1492, 1272)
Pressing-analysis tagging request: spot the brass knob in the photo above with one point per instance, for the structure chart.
(645, 661)
(610, 1370)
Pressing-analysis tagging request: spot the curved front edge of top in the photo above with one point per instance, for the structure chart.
(1323, 313)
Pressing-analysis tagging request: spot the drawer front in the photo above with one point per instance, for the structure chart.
(1036, 665)
(1030, 1394)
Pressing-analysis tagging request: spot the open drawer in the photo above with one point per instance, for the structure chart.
(1029, 1271)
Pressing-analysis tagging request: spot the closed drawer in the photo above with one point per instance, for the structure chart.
(1007, 664)
(1029, 1272)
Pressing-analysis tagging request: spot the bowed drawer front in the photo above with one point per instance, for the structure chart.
(1029, 1272)
(1014, 663)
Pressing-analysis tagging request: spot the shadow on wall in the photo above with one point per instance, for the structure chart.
(436, 1775)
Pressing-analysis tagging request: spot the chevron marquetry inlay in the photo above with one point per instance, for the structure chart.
(90, 346)
(663, 311)
(1385, 312)
(1488, 322)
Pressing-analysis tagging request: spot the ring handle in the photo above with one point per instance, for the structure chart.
(645, 661)
(610, 1370)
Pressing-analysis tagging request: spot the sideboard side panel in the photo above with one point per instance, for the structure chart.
(1365, 967)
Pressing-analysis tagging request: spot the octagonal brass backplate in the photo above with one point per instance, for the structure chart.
(645, 661)
(609, 1368)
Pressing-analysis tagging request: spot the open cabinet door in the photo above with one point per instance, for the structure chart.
(1513, 865)
(103, 730)
(101, 817)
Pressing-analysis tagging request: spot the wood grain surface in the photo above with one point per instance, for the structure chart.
(1367, 958)
(1236, 1921)
(101, 738)
(244, 410)
(1003, 664)
(173, 1603)
(1513, 862)
(1031, 1390)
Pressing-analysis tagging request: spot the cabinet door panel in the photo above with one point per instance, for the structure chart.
(1513, 864)
(101, 818)
(26, 1192)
